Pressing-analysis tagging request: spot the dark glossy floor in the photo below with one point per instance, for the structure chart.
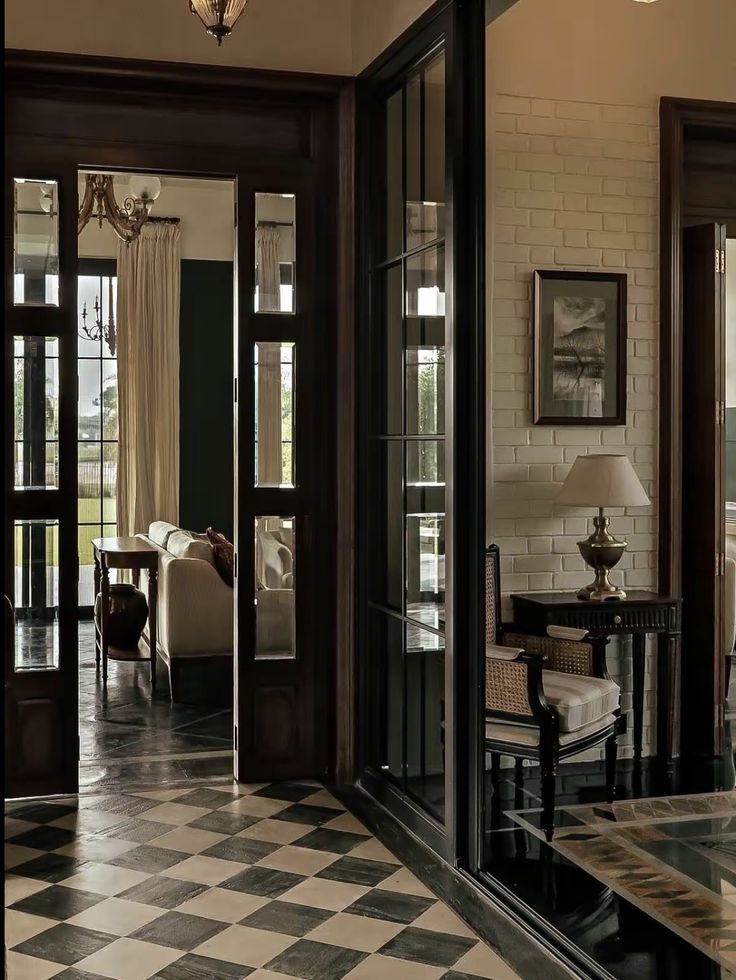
(556, 885)
(129, 738)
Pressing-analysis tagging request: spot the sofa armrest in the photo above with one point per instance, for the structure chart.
(195, 608)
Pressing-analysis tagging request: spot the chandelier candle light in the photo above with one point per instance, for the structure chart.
(602, 480)
(218, 16)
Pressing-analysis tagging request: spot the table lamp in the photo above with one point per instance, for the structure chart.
(602, 480)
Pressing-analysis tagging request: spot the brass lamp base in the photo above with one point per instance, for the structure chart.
(602, 552)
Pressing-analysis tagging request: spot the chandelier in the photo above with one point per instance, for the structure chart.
(218, 16)
(97, 329)
(99, 202)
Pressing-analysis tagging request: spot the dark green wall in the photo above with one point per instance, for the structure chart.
(206, 396)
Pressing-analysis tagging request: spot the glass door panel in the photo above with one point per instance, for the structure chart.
(406, 516)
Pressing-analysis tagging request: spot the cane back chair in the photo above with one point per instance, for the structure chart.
(546, 697)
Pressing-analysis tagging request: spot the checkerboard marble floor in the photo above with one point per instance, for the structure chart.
(268, 881)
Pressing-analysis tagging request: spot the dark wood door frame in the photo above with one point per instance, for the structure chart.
(126, 115)
(682, 122)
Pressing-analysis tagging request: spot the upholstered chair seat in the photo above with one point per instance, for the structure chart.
(547, 696)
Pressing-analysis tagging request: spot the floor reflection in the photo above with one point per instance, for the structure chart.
(646, 887)
(129, 738)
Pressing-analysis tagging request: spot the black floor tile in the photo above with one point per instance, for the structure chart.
(136, 831)
(424, 946)
(262, 881)
(58, 902)
(145, 858)
(293, 792)
(206, 769)
(335, 841)
(41, 812)
(220, 822)
(219, 725)
(72, 973)
(304, 813)
(44, 838)
(65, 944)
(127, 806)
(454, 975)
(382, 904)
(193, 967)
(283, 917)
(179, 930)
(316, 961)
(356, 871)
(50, 867)
(165, 893)
(246, 850)
(211, 799)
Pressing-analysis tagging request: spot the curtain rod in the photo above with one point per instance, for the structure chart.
(273, 224)
(163, 221)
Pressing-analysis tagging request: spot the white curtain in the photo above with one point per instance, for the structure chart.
(267, 260)
(149, 272)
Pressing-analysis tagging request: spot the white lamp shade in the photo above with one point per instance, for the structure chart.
(145, 187)
(603, 480)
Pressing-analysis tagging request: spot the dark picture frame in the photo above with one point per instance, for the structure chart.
(579, 360)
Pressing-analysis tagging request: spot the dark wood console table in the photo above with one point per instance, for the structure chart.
(639, 614)
(134, 554)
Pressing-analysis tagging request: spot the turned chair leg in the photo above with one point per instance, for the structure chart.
(611, 759)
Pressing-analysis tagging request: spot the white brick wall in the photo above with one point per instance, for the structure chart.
(574, 185)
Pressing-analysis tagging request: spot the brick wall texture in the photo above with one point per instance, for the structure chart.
(574, 186)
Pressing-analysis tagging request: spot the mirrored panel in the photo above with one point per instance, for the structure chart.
(425, 559)
(36, 413)
(275, 253)
(274, 414)
(425, 463)
(425, 714)
(36, 595)
(425, 390)
(425, 283)
(36, 243)
(274, 592)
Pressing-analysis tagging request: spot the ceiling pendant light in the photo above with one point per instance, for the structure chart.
(218, 16)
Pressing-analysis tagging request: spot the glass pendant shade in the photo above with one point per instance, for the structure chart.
(218, 16)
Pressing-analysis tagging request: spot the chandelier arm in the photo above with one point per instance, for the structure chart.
(88, 203)
(127, 228)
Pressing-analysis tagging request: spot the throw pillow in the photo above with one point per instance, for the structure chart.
(224, 553)
(182, 544)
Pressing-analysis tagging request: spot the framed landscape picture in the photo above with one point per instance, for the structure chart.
(579, 348)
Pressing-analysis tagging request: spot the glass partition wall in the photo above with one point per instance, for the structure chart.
(420, 487)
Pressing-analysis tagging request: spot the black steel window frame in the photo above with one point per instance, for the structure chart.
(458, 28)
(101, 269)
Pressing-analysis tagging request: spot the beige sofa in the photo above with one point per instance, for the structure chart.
(195, 606)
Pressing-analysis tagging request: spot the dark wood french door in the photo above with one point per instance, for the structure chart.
(703, 492)
(276, 136)
(284, 475)
(40, 492)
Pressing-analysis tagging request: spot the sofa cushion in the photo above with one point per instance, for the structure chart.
(183, 544)
(224, 555)
(159, 532)
(579, 700)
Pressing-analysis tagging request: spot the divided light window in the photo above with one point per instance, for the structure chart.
(407, 425)
(97, 417)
